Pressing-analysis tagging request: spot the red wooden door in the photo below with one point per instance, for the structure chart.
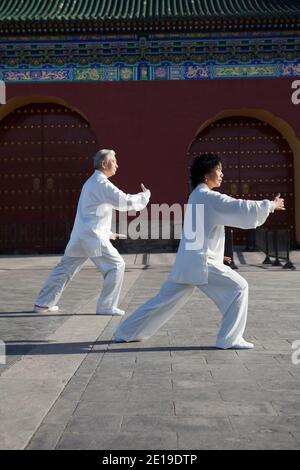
(257, 164)
(46, 155)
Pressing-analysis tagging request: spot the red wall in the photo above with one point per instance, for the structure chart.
(151, 124)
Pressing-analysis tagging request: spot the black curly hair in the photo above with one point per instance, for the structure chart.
(202, 165)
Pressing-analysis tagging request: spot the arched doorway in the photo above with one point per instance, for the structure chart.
(257, 162)
(46, 154)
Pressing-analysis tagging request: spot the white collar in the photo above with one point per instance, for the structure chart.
(99, 172)
(204, 186)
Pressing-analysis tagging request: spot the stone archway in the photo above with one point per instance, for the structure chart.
(46, 151)
(258, 163)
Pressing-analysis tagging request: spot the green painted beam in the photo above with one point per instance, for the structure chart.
(72, 10)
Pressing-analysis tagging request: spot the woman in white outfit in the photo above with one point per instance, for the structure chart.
(90, 238)
(200, 262)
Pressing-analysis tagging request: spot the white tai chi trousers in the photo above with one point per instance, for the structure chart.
(225, 287)
(110, 263)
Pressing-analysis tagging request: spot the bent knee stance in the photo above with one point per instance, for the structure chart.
(118, 267)
(121, 265)
(245, 286)
(241, 285)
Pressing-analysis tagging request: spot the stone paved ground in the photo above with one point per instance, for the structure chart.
(66, 385)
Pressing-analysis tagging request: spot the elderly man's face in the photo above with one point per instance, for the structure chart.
(110, 165)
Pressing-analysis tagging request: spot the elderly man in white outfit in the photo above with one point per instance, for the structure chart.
(90, 238)
(202, 264)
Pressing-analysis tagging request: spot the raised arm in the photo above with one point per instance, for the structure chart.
(242, 213)
(126, 202)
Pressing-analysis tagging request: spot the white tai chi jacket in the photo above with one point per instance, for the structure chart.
(93, 219)
(191, 265)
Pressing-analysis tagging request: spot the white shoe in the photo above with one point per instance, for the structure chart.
(43, 309)
(242, 344)
(120, 340)
(115, 311)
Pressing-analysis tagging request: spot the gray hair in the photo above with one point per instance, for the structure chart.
(100, 156)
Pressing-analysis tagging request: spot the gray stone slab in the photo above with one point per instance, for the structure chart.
(296, 436)
(158, 367)
(262, 357)
(136, 408)
(261, 374)
(274, 384)
(189, 368)
(46, 437)
(88, 425)
(154, 387)
(265, 424)
(196, 383)
(120, 441)
(150, 394)
(204, 375)
(199, 424)
(285, 407)
(110, 383)
(216, 441)
(221, 408)
(151, 381)
(230, 359)
(121, 374)
(232, 373)
(257, 395)
(294, 371)
(174, 390)
(61, 411)
(192, 394)
(99, 394)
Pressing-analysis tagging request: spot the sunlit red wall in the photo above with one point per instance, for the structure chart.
(151, 124)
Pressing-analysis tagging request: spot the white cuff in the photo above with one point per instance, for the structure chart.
(272, 206)
(146, 194)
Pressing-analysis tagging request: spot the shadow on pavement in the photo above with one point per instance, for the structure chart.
(28, 314)
(44, 348)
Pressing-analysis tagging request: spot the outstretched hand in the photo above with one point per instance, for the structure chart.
(144, 188)
(116, 236)
(279, 203)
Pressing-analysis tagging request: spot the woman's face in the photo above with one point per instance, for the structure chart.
(214, 178)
